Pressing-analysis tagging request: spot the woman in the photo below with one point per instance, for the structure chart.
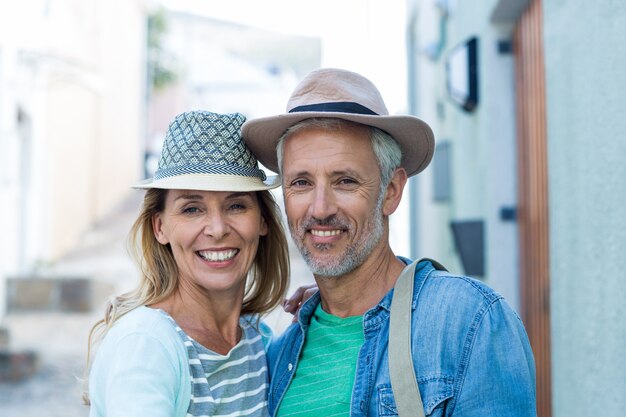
(213, 257)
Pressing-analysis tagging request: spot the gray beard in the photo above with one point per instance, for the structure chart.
(354, 255)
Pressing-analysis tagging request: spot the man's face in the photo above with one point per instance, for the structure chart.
(331, 185)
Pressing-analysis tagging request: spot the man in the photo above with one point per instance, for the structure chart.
(344, 163)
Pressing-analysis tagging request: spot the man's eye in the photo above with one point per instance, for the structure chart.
(300, 183)
(347, 181)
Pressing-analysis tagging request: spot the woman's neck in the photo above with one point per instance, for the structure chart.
(211, 320)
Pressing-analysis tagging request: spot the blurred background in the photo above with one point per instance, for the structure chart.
(527, 99)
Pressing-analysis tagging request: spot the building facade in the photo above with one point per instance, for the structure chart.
(72, 104)
(525, 97)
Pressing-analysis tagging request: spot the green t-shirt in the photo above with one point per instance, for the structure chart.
(322, 385)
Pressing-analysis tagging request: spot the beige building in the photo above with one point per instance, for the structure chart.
(72, 106)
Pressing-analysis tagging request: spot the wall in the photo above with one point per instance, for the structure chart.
(72, 78)
(482, 143)
(586, 148)
(94, 122)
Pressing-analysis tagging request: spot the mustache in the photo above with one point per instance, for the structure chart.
(331, 221)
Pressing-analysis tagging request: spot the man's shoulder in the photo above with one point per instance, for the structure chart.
(461, 284)
(456, 306)
(458, 291)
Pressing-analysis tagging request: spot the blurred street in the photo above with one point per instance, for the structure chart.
(60, 339)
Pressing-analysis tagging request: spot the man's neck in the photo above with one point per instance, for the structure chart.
(354, 293)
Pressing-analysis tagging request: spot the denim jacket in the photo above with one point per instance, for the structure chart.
(470, 350)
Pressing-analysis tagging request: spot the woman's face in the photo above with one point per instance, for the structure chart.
(214, 237)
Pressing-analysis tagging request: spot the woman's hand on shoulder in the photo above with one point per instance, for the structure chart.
(294, 302)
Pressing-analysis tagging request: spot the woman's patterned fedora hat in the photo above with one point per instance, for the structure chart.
(204, 151)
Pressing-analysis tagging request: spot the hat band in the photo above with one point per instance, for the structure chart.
(340, 107)
(210, 169)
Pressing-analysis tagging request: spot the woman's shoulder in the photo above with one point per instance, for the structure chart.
(142, 349)
(143, 320)
(144, 323)
(140, 332)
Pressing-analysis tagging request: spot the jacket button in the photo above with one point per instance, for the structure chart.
(289, 367)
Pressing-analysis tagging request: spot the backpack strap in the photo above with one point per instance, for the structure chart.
(401, 371)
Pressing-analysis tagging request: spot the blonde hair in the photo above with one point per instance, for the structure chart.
(267, 280)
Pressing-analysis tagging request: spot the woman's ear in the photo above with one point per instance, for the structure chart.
(393, 193)
(264, 228)
(157, 228)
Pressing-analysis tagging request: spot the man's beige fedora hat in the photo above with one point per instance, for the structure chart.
(337, 93)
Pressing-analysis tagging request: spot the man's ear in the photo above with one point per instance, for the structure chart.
(157, 228)
(393, 193)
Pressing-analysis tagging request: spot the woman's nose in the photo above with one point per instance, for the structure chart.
(216, 226)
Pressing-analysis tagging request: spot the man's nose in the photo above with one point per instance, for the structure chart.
(324, 203)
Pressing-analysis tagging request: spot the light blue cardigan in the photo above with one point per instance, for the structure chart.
(140, 369)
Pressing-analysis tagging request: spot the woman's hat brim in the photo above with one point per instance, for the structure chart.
(414, 136)
(211, 182)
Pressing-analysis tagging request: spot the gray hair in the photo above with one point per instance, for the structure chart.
(386, 149)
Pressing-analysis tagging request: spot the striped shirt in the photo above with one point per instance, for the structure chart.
(228, 385)
(324, 378)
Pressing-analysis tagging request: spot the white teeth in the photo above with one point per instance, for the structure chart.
(218, 256)
(325, 233)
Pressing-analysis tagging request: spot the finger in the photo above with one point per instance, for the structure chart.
(289, 308)
(296, 297)
(291, 304)
(309, 293)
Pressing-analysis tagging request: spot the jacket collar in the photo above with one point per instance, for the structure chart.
(422, 270)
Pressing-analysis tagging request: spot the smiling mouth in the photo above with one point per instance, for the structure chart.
(325, 233)
(218, 255)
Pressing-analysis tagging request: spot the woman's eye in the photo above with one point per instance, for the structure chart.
(191, 210)
(237, 206)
